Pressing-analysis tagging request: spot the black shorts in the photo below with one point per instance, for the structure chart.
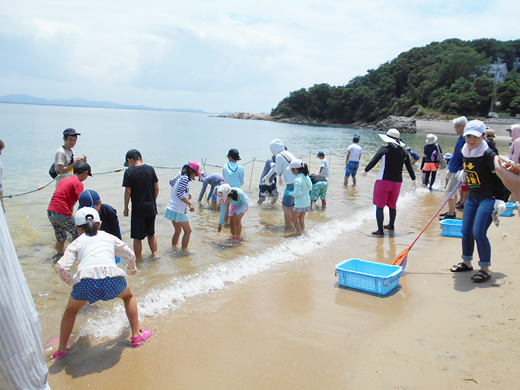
(142, 227)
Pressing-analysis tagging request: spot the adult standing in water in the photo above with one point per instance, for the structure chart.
(388, 185)
(64, 160)
(455, 165)
(282, 160)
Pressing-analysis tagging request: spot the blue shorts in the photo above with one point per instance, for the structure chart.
(287, 200)
(352, 168)
(175, 217)
(93, 290)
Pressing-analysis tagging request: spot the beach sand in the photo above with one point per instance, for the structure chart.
(294, 328)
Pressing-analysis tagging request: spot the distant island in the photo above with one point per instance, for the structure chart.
(78, 102)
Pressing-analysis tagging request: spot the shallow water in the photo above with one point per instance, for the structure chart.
(167, 140)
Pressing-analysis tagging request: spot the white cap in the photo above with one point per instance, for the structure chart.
(223, 192)
(85, 214)
(296, 163)
(476, 128)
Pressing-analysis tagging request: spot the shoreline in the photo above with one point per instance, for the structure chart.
(423, 126)
(292, 327)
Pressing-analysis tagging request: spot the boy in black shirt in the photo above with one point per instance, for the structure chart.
(142, 188)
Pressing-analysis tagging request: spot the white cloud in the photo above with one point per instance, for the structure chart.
(227, 55)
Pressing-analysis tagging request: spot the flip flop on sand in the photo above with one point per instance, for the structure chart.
(461, 267)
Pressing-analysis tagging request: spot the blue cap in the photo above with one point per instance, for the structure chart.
(320, 154)
(356, 138)
(88, 198)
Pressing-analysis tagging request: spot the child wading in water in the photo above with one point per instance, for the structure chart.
(301, 193)
(180, 201)
(484, 189)
(98, 277)
(238, 205)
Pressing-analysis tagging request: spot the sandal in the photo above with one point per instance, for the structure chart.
(378, 233)
(58, 355)
(461, 267)
(481, 276)
(389, 227)
(139, 340)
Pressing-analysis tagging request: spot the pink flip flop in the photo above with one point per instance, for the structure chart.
(58, 355)
(139, 340)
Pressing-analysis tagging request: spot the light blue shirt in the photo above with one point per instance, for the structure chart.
(233, 174)
(22, 363)
(242, 202)
(301, 192)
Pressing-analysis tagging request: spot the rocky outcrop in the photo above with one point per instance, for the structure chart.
(401, 123)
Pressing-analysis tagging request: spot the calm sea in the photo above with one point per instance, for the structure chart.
(167, 140)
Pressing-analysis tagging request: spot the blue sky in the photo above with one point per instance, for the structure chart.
(230, 55)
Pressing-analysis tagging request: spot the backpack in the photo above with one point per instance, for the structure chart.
(52, 171)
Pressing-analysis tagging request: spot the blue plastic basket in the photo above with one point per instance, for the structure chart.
(451, 227)
(368, 276)
(509, 210)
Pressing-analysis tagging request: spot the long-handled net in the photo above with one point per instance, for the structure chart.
(403, 256)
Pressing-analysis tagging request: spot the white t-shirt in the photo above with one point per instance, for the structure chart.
(355, 152)
(325, 167)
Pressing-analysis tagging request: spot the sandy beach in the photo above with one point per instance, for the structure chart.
(294, 327)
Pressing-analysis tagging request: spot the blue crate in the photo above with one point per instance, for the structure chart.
(368, 276)
(509, 210)
(451, 227)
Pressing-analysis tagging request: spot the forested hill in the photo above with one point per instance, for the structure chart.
(450, 77)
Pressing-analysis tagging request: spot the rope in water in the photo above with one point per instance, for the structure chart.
(114, 171)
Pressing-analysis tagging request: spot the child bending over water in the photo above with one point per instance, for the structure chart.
(98, 277)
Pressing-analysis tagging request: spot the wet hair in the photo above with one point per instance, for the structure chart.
(188, 171)
(91, 228)
(304, 169)
(233, 195)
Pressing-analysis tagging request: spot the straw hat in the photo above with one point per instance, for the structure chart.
(490, 133)
(392, 136)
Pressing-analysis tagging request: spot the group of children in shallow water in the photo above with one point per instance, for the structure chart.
(99, 278)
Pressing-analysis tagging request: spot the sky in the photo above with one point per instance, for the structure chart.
(221, 56)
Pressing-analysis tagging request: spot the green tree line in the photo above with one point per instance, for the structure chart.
(450, 77)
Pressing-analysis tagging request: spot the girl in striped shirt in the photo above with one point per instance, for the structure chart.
(180, 201)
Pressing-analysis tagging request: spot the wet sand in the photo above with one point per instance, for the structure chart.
(294, 328)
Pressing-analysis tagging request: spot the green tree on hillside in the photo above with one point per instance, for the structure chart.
(450, 76)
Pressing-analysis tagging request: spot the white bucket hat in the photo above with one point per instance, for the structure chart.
(431, 139)
(392, 136)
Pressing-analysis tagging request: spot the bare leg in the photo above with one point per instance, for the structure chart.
(60, 247)
(236, 220)
(296, 222)
(301, 219)
(187, 233)
(138, 248)
(323, 203)
(67, 322)
(177, 230)
(130, 302)
(354, 180)
(152, 243)
(287, 215)
(345, 181)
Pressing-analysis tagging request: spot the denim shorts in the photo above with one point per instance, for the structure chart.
(287, 200)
